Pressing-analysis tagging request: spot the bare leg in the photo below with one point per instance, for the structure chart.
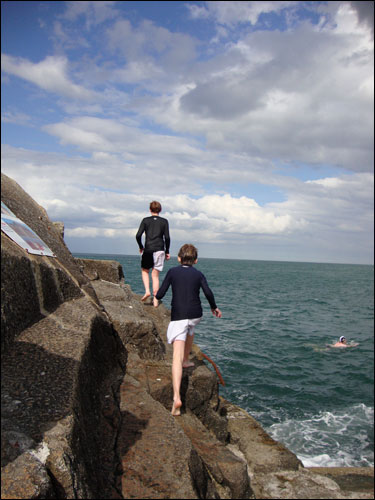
(178, 355)
(155, 285)
(188, 344)
(146, 283)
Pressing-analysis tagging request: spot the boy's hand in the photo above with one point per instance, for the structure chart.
(216, 312)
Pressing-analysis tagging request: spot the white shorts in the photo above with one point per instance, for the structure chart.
(179, 330)
(159, 258)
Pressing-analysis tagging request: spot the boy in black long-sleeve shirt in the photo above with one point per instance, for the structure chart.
(186, 282)
(156, 247)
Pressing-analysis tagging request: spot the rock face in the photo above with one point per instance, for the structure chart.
(87, 393)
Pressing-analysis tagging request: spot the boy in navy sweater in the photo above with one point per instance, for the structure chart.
(186, 282)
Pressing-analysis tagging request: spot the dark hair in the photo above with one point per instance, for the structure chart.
(155, 207)
(188, 254)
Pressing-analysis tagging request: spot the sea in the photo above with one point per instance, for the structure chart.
(271, 348)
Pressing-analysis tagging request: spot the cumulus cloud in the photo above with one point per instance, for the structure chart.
(223, 215)
(151, 56)
(105, 135)
(49, 74)
(270, 93)
(291, 104)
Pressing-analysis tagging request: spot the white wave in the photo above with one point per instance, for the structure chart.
(343, 438)
(341, 460)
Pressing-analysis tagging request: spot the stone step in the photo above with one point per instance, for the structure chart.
(135, 328)
(146, 399)
(228, 470)
(157, 459)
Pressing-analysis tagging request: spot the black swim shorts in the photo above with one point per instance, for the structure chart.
(147, 261)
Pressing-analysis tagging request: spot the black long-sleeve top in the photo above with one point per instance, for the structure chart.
(157, 234)
(186, 282)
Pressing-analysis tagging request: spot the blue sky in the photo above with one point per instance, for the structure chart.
(251, 123)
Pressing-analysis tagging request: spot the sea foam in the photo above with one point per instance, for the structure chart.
(330, 439)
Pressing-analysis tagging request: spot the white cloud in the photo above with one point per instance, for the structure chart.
(284, 95)
(235, 12)
(15, 117)
(94, 134)
(223, 215)
(92, 232)
(149, 55)
(346, 22)
(94, 12)
(294, 95)
(49, 74)
(337, 212)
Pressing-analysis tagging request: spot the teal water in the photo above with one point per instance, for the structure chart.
(271, 349)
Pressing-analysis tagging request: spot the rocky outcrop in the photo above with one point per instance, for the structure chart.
(87, 392)
(107, 270)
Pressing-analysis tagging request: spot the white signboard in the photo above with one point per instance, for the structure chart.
(19, 232)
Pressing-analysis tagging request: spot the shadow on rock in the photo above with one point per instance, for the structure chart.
(35, 393)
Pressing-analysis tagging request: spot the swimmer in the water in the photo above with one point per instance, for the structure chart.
(342, 342)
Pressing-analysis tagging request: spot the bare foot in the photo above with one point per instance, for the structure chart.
(145, 296)
(176, 408)
(156, 302)
(187, 364)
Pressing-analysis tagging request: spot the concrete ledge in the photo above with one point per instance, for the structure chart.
(107, 270)
(133, 325)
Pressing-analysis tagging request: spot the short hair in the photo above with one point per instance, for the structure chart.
(188, 254)
(155, 207)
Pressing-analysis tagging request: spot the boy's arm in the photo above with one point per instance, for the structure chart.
(164, 287)
(167, 239)
(138, 236)
(208, 293)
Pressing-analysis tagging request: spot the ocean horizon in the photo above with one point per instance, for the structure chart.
(107, 255)
(271, 347)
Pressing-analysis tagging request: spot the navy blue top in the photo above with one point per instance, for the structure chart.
(186, 283)
(157, 234)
